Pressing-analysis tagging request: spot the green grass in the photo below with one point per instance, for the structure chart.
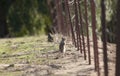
(24, 49)
(17, 73)
(27, 47)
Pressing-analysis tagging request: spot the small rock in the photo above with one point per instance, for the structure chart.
(11, 65)
(56, 57)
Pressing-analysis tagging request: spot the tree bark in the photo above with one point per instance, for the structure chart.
(118, 40)
(3, 24)
(4, 8)
(103, 25)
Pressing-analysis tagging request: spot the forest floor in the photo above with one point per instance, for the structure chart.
(34, 56)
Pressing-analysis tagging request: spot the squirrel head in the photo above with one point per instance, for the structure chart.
(63, 39)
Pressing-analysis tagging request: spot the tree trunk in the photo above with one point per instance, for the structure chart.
(3, 24)
(118, 40)
(103, 25)
(4, 8)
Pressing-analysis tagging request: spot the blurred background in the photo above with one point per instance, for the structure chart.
(23, 17)
(32, 17)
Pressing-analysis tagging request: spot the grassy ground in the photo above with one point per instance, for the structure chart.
(24, 50)
(34, 56)
(20, 49)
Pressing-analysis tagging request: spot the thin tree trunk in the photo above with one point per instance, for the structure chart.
(103, 24)
(4, 8)
(118, 40)
(3, 24)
